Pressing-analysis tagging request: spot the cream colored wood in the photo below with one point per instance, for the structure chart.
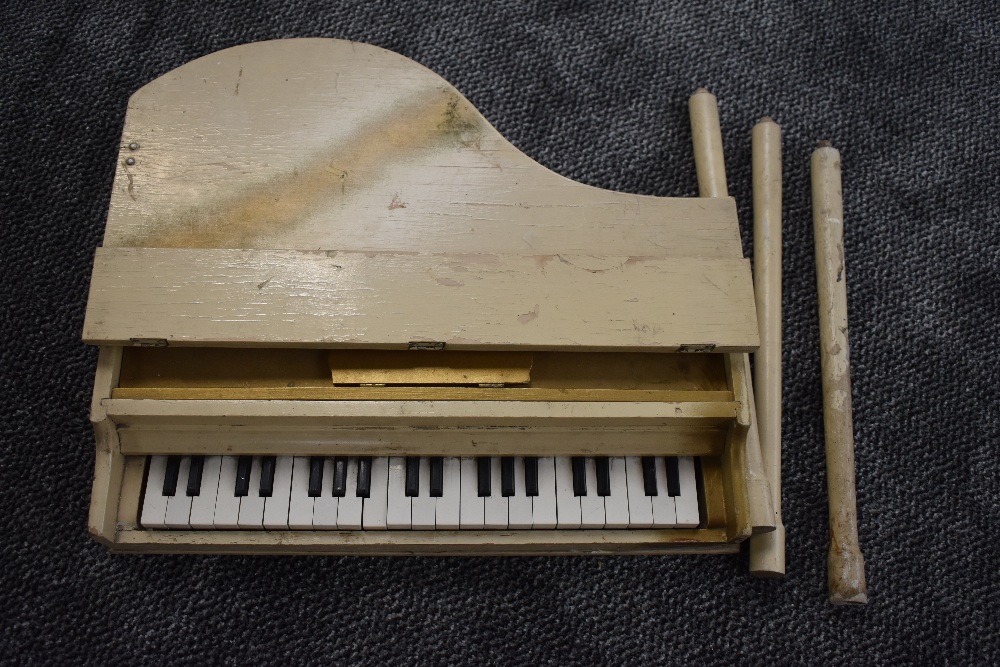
(767, 553)
(108, 459)
(706, 134)
(332, 299)
(329, 144)
(846, 565)
(757, 483)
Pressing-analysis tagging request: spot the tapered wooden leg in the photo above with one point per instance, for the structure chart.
(767, 551)
(846, 565)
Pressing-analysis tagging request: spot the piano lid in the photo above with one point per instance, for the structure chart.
(319, 192)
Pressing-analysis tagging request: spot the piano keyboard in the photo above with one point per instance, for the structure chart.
(419, 493)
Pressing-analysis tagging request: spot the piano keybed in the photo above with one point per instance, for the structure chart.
(419, 493)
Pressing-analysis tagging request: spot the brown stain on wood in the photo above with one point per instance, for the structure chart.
(434, 121)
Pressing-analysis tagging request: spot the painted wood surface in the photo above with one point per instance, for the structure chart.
(324, 143)
(382, 300)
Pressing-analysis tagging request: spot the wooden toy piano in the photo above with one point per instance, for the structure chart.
(338, 313)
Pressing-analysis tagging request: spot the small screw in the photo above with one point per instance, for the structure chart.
(133, 146)
(130, 161)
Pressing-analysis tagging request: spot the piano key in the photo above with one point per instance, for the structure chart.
(484, 475)
(423, 506)
(664, 513)
(591, 504)
(325, 504)
(507, 476)
(687, 501)
(640, 505)
(579, 464)
(603, 475)
(447, 511)
(244, 466)
(531, 475)
(170, 475)
(437, 476)
(495, 505)
(154, 503)
(178, 514)
(252, 504)
(194, 476)
(472, 505)
(300, 503)
(227, 503)
(412, 485)
(543, 506)
(649, 475)
(350, 506)
(399, 508)
(519, 502)
(567, 502)
(203, 504)
(266, 476)
(616, 502)
(340, 476)
(315, 476)
(673, 477)
(364, 476)
(373, 513)
(277, 505)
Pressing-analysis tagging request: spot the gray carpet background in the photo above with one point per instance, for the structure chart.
(596, 91)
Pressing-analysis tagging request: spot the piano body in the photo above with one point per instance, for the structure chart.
(338, 313)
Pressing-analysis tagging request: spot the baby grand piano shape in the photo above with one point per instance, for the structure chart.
(319, 257)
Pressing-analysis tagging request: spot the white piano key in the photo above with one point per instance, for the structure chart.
(227, 503)
(472, 508)
(519, 504)
(687, 503)
(300, 504)
(616, 505)
(252, 505)
(640, 506)
(447, 510)
(375, 509)
(495, 505)
(591, 505)
(276, 507)
(567, 504)
(154, 503)
(664, 513)
(543, 506)
(178, 514)
(423, 507)
(350, 506)
(399, 509)
(203, 505)
(325, 506)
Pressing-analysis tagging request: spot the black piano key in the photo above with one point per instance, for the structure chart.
(530, 476)
(364, 489)
(507, 476)
(243, 466)
(579, 476)
(170, 477)
(340, 477)
(603, 475)
(194, 475)
(315, 476)
(649, 475)
(266, 476)
(673, 477)
(437, 477)
(483, 469)
(412, 476)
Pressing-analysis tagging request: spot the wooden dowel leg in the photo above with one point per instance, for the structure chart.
(767, 551)
(846, 566)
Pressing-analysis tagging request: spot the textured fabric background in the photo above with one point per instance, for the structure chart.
(596, 91)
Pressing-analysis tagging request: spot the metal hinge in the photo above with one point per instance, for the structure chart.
(425, 345)
(148, 342)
